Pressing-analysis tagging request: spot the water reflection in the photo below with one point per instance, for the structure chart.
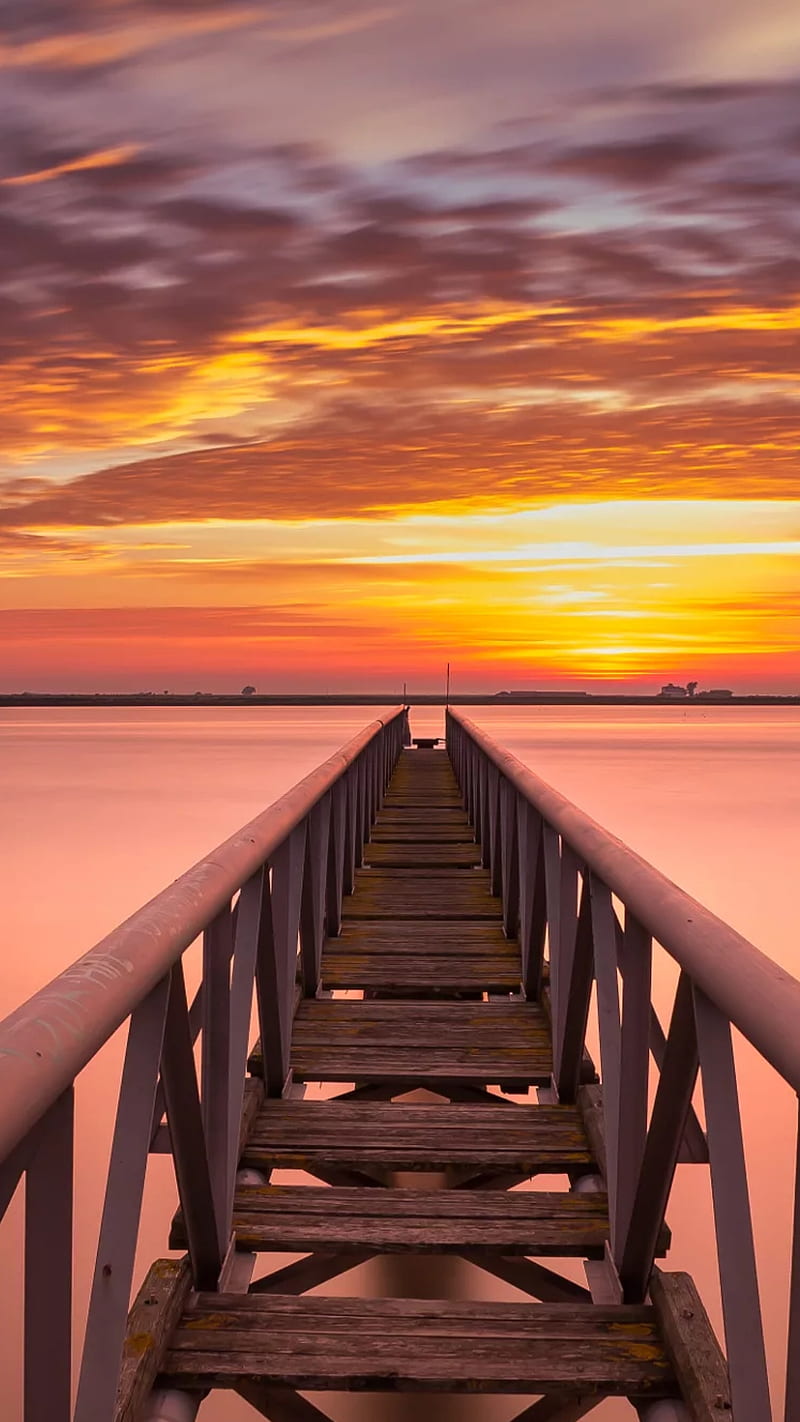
(103, 808)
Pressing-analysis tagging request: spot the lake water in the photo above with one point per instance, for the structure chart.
(102, 808)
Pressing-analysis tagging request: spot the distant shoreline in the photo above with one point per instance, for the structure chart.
(20, 701)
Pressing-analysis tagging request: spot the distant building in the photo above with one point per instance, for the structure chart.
(717, 694)
(671, 692)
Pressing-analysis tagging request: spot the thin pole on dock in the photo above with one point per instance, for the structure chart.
(447, 688)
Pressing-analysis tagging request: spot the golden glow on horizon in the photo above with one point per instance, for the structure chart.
(626, 590)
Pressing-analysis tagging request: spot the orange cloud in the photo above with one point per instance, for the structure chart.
(88, 49)
(86, 163)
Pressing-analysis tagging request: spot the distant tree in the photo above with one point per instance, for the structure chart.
(691, 687)
(248, 691)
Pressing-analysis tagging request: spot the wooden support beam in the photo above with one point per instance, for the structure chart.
(307, 1273)
(155, 1313)
(692, 1346)
(334, 1175)
(484, 1179)
(558, 1408)
(280, 1404)
(370, 1091)
(455, 1092)
(541, 1283)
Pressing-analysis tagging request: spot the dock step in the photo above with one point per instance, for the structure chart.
(486, 1043)
(381, 855)
(394, 1135)
(437, 893)
(304, 1219)
(432, 956)
(412, 1345)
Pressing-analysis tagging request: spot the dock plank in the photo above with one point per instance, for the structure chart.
(301, 1219)
(418, 1345)
(417, 855)
(528, 1139)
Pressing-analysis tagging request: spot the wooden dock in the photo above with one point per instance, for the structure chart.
(434, 1001)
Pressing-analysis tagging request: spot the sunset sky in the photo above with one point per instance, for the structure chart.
(341, 339)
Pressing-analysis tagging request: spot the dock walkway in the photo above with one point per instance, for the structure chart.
(436, 1004)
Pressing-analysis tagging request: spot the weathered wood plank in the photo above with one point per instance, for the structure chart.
(392, 877)
(527, 1206)
(400, 936)
(421, 833)
(691, 1344)
(304, 1218)
(156, 1311)
(506, 1019)
(421, 856)
(526, 1139)
(410, 1345)
(403, 1066)
(441, 975)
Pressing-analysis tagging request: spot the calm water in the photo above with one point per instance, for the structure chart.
(103, 808)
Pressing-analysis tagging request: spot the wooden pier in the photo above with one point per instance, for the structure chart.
(422, 943)
(426, 934)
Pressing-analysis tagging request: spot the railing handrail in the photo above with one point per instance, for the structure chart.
(757, 995)
(48, 1040)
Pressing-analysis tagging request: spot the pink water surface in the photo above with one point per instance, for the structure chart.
(102, 808)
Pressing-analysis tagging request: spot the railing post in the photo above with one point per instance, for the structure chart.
(466, 780)
(48, 1266)
(116, 1249)
(509, 859)
(337, 849)
(667, 1123)
(185, 1122)
(312, 913)
(276, 965)
(533, 905)
(741, 1309)
(635, 947)
(578, 972)
(253, 924)
(561, 906)
(792, 1412)
(215, 1060)
(492, 855)
(352, 857)
(361, 829)
(608, 1017)
(481, 809)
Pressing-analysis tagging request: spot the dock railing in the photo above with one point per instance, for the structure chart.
(588, 911)
(261, 902)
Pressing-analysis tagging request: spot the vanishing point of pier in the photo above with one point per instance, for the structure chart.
(462, 959)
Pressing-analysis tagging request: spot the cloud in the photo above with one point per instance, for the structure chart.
(468, 323)
(79, 163)
(362, 462)
(108, 43)
(653, 160)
